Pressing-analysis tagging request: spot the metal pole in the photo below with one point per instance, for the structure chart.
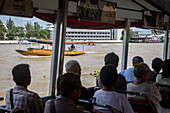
(54, 59)
(165, 51)
(125, 44)
(58, 45)
(63, 35)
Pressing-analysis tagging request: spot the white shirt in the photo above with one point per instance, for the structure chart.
(149, 89)
(114, 99)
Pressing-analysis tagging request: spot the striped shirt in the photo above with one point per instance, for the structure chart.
(26, 100)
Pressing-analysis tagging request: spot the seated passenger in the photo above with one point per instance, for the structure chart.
(107, 95)
(42, 47)
(129, 73)
(73, 66)
(23, 99)
(72, 47)
(156, 65)
(112, 58)
(164, 79)
(69, 86)
(142, 74)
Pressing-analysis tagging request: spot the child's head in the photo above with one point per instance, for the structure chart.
(21, 75)
(69, 85)
(108, 75)
(142, 71)
(157, 64)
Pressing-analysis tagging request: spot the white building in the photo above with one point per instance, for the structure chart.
(91, 35)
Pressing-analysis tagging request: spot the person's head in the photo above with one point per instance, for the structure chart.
(73, 66)
(111, 58)
(165, 68)
(21, 75)
(157, 64)
(137, 60)
(69, 85)
(142, 71)
(108, 75)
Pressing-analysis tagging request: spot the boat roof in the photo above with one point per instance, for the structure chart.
(51, 41)
(125, 9)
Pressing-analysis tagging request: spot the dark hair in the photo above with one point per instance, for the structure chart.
(157, 64)
(108, 75)
(140, 69)
(67, 83)
(166, 68)
(137, 60)
(21, 74)
(111, 58)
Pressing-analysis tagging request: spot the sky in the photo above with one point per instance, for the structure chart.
(21, 21)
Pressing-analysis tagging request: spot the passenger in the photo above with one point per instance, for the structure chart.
(69, 86)
(164, 79)
(22, 98)
(72, 47)
(112, 58)
(73, 66)
(42, 47)
(129, 73)
(142, 74)
(156, 66)
(108, 96)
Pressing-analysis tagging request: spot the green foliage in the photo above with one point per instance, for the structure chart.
(10, 26)
(31, 30)
(45, 76)
(2, 32)
(95, 73)
(43, 34)
(131, 33)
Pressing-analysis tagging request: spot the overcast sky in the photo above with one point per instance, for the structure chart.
(20, 21)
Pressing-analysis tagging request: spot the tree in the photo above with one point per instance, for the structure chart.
(36, 29)
(44, 34)
(131, 33)
(2, 32)
(10, 33)
(29, 29)
(10, 24)
(19, 31)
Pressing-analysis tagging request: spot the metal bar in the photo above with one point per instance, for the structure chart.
(54, 59)
(125, 44)
(63, 35)
(165, 51)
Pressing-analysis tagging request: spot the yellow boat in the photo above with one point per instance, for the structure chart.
(46, 52)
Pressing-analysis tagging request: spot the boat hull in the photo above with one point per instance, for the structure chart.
(32, 53)
(45, 52)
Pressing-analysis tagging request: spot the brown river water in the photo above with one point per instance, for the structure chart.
(92, 60)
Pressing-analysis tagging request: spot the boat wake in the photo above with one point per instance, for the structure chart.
(91, 52)
(36, 56)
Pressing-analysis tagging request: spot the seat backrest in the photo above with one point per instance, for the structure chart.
(142, 106)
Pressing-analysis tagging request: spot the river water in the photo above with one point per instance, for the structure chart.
(92, 61)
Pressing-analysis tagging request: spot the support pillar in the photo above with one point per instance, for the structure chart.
(165, 51)
(58, 45)
(125, 44)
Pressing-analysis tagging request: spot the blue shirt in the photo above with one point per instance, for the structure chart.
(128, 74)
